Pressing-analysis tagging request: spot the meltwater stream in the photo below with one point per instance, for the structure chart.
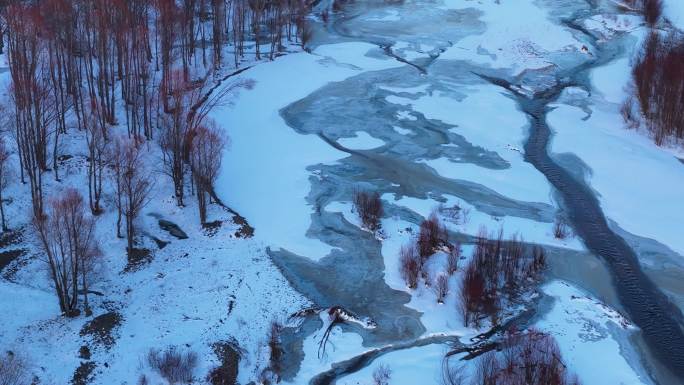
(659, 320)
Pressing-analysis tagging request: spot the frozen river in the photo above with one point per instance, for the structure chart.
(433, 103)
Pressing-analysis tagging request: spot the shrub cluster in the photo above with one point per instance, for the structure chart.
(498, 271)
(410, 265)
(413, 257)
(531, 358)
(382, 375)
(560, 229)
(369, 207)
(174, 365)
(13, 370)
(433, 236)
(659, 87)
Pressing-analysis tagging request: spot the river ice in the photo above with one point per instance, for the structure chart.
(388, 101)
(414, 123)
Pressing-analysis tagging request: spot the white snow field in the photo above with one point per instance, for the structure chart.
(194, 292)
(214, 286)
(586, 332)
(270, 191)
(674, 11)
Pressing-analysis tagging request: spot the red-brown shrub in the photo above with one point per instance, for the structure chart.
(499, 271)
(369, 207)
(453, 257)
(659, 86)
(472, 291)
(531, 358)
(441, 287)
(410, 265)
(538, 262)
(174, 365)
(433, 235)
(653, 9)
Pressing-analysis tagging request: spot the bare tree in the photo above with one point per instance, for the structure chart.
(95, 138)
(653, 9)
(172, 139)
(369, 207)
(189, 104)
(276, 350)
(441, 287)
(30, 94)
(68, 241)
(453, 257)
(218, 9)
(207, 149)
(115, 157)
(409, 265)
(4, 178)
(13, 370)
(133, 184)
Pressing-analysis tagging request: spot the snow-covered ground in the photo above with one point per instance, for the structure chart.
(587, 332)
(213, 286)
(674, 11)
(193, 293)
(271, 189)
(519, 36)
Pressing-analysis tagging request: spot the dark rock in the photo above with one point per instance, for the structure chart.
(173, 229)
(10, 255)
(160, 243)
